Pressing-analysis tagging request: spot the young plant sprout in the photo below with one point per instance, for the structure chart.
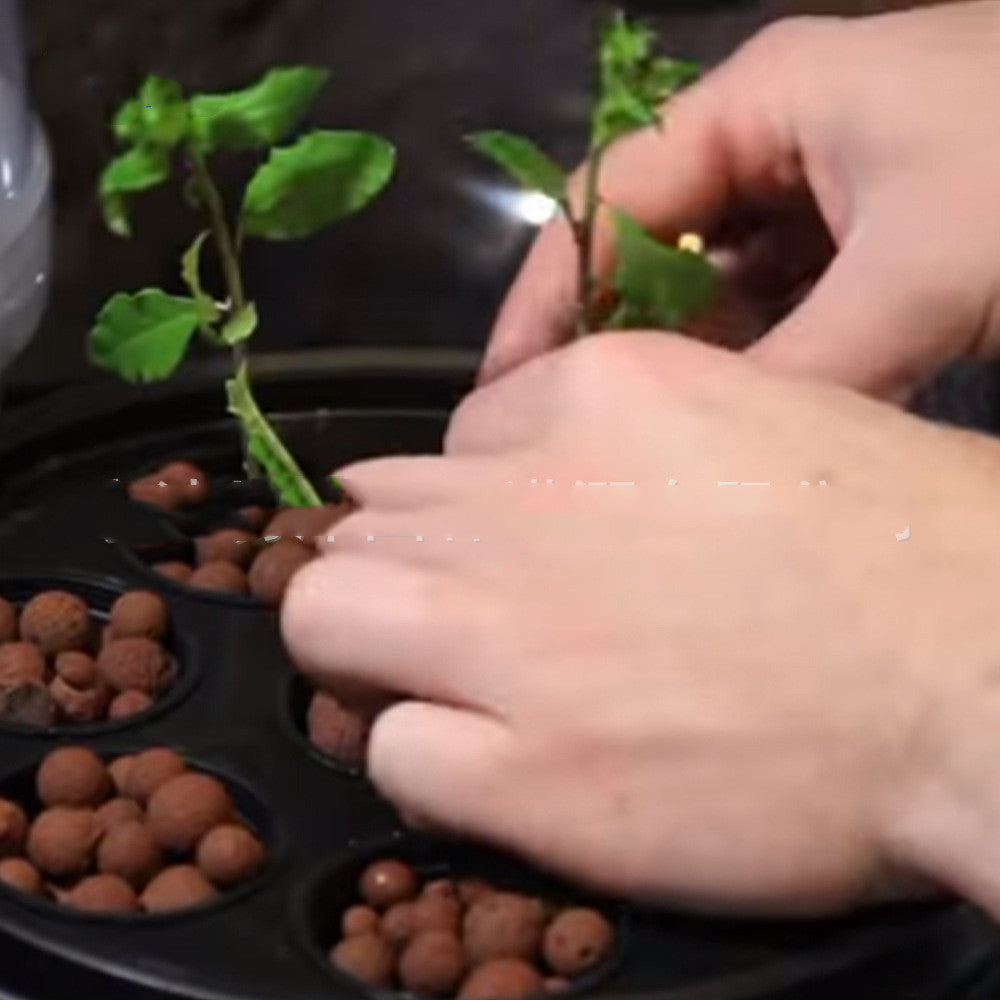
(655, 284)
(296, 191)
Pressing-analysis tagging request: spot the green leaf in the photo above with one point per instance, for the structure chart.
(143, 337)
(659, 286)
(324, 177)
(208, 312)
(524, 161)
(260, 115)
(241, 326)
(289, 482)
(137, 170)
(158, 116)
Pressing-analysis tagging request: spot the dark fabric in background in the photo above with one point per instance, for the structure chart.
(430, 262)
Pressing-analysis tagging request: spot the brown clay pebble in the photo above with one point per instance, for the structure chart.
(102, 894)
(577, 940)
(21, 663)
(222, 576)
(502, 979)
(56, 620)
(439, 888)
(150, 769)
(119, 770)
(75, 705)
(133, 665)
(27, 705)
(233, 545)
(73, 776)
(255, 516)
(117, 811)
(305, 523)
(130, 851)
(185, 808)
(139, 614)
(470, 890)
(366, 957)
(230, 854)
(177, 888)
(437, 913)
(385, 883)
(156, 492)
(359, 920)
(77, 669)
(274, 568)
(504, 925)
(61, 841)
(190, 482)
(8, 621)
(13, 828)
(398, 925)
(174, 570)
(337, 732)
(21, 875)
(129, 703)
(433, 964)
(556, 984)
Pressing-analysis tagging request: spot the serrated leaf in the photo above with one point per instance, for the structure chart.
(208, 311)
(260, 115)
(289, 482)
(659, 286)
(139, 169)
(143, 337)
(524, 161)
(324, 177)
(158, 116)
(241, 326)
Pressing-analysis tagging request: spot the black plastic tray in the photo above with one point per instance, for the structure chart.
(64, 519)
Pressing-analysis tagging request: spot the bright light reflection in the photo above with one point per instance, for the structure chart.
(531, 208)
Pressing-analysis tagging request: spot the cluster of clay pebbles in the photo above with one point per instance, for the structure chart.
(143, 834)
(465, 938)
(58, 665)
(258, 556)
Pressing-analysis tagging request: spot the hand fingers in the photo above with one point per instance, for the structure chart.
(407, 483)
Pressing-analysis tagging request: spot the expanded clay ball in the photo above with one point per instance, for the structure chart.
(174, 569)
(502, 979)
(156, 492)
(102, 894)
(119, 810)
(439, 888)
(577, 940)
(56, 620)
(21, 875)
(256, 516)
(437, 913)
(504, 925)
(556, 984)
(77, 669)
(305, 523)
(177, 888)
(470, 890)
(149, 770)
(8, 621)
(185, 808)
(76, 705)
(13, 828)
(190, 482)
(119, 770)
(222, 576)
(359, 920)
(129, 703)
(21, 663)
(130, 851)
(433, 964)
(227, 544)
(336, 731)
(398, 925)
(230, 854)
(366, 957)
(139, 614)
(61, 841)
(385, 883)
(73, 776)
(133, 665)
(274, 568)
(27, 705)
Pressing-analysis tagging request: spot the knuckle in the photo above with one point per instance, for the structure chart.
(788, 37)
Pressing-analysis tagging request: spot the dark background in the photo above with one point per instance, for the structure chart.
(427, 264)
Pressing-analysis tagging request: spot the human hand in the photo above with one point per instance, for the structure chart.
(861, 150)
(748, 696)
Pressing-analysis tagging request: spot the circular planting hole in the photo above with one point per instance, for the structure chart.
(147, 835)
(425, 918)
(81, 656)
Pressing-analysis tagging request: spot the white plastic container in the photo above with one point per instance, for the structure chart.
(25, 198)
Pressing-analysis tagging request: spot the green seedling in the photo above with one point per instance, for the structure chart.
(296, 190)
(655, 284)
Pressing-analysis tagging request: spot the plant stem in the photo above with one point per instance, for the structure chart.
(226, 248)
(584, 232)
